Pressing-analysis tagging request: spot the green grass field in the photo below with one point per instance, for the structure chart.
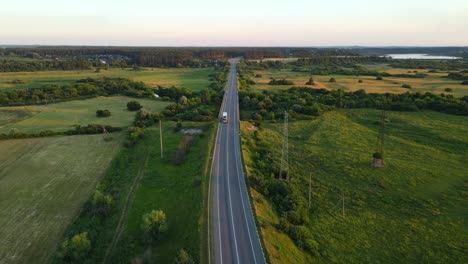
(411, 211)
(193, 78)
(43, 184)
(432, 83)
(62, 116)
(175, 189)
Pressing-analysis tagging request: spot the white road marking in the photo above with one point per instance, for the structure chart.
(219, 217)
(242, 200)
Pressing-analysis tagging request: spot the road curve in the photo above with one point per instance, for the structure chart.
(233, 230)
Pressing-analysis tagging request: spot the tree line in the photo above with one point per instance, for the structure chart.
(7, 65)
(85, 88)
(306, 101)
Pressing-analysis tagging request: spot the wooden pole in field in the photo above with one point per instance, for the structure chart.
(342, 193)
(160, 137)
(310, 188)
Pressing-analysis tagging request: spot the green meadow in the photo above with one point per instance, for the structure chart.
(193, 78)
(63, 116)
(143, 181)
(411, 211)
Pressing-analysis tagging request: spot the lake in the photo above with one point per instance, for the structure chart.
(421, 57)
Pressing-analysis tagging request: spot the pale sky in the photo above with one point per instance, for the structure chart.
(235, 23)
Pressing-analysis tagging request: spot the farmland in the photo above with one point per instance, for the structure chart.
(43, 184)
(62, 116)
(193, 78)
(408, 212)
(432, 83)
(134, 176)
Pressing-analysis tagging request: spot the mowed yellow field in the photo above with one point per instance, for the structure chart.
(432, 83)
(43, 184)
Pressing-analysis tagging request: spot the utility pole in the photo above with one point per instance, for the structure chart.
(342, 195)
(378, 161)
(310, 188)
(284, 172)
(381, 137)
(160, 137)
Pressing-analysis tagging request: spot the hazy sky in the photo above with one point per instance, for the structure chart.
(235, 23)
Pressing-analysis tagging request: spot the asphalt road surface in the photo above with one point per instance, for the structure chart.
(234, 234)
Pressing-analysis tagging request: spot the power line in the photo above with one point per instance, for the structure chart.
(343, 204)
(310, 188)
(161, 137)
(284, 172)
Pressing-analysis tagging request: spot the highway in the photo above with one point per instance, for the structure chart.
(233, 231)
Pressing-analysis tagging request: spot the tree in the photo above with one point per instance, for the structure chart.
(134, 106)
(310, 81)
(377, 155)
(257, 117)
(103, 113)
(102, 204)
(178, 126)
(183, 258)
(135, 133)
(153, 224)
(183, 100)
(280, 82)
(77, 247)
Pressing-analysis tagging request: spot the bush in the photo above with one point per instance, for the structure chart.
(360, 81)
(134, 133)
(144, 118)
(407, 86)
(300, 234)
(76, 248)
(280, 82)
(103, 113)
(153, 224)
(464, 83)
(377, 155)
(92, 129)
(312, 246)
(101, 203)
(16, 81)
(134, 106)
(332, 80)
(379, 78)
(178, 126)
(310, 81)
(183, 100)
(448, 90)
(257, 117)
(183, 258)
